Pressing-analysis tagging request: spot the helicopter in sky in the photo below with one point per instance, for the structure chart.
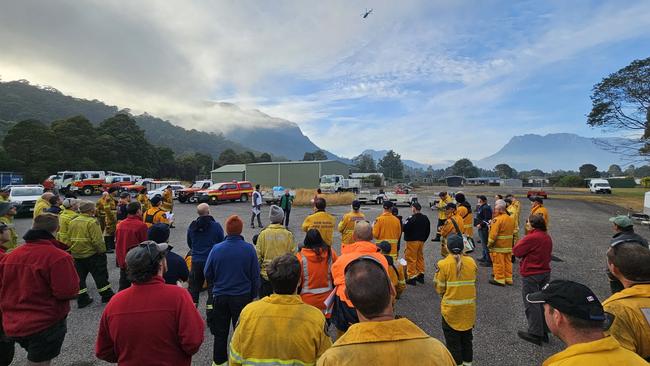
(365, 15)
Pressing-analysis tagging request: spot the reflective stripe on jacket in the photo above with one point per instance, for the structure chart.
(501, 234)
(64, 222)
(85, 237)
(467, 225)
(279, 330)
(442, 204)
(316, 282)
(350, 253)
(387, 227)
(458, 292)
(274, 241)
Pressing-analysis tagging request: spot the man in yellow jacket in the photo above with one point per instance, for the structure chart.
(453, 225)
(88, 249)
(444, 199)
(144, 200)
(500, 245)
(275, 240)
(69, 213)
(110, 217)
(539, 209)
(513, 212)
(155, 215)
(321, 221)
(628, 262)
(379, 338)
(280, 329)
(100, 212)
(168, 199)
(567, 303)
(346, 226)
(8, 211)
(43, 203)
(387, 227)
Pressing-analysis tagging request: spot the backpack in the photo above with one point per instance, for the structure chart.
(468, 243)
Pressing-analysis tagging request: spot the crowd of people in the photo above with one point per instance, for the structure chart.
(281, 298)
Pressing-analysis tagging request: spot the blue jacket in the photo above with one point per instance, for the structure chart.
(202, 235)
(232, 268)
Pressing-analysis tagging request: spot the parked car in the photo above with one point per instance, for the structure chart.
(273, 197)
(228, 191)
(189, 194)
(159, 191)
(600, 186)
(537, 193)
(25, 196)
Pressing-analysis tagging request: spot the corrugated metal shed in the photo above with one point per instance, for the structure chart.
(229, 173)
(294, 174)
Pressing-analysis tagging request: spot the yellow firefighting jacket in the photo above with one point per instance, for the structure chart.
(501, 234)
(65, 217)
(541, 210)
(13, 241)
(594, 353)
(279, 330)
(631, 308)
(110, 216)
(85, 237)
(387, 227)
(40, 206)
(442, 204)
(155, 215)
(274, 241)
(144, 201)
(458, 292)
(392, 342)
(323, 222)
(514, 213)
(168, 200)
(346, 226)
(396, 275)
(467, 226)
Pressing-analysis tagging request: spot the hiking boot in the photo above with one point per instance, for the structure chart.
(493, 282)
(412, 282)
(420, 278)
(83, 301)
(530, 337)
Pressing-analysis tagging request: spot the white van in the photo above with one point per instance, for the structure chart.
(599, 186)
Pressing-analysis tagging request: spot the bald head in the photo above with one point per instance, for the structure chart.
(203, 209)
(362, 231)
(47, 196)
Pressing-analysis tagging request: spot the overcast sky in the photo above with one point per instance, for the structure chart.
(430, 79)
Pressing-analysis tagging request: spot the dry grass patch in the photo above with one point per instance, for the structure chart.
(304, 197)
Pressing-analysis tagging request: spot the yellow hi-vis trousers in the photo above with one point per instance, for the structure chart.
(414, 258)
(502, 267)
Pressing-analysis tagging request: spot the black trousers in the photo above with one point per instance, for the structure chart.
(96, 266)
(287, 213)
(266, 289)
(440, 223)
(196, 281)
(259, 220)
(226, 313)
(458, 343)
(7, 348)
(124, 280)
(534, 312)
(110, 242)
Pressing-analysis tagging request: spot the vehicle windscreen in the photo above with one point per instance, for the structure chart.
(22, 192)
(602, 185)
(215, 186)
(327, 180)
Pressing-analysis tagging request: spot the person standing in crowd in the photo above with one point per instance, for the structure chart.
(280, 329)
(7, 346)
(203, 233)
(150, 322)
(168, 199)
(55, 205)
(623, 233)
(343, 313)
(34, 304)
(416, 232)
(100, 212)
(539, 209)
(389, 228)
(129, 233)
(256, 209)
(275, 240)
(455, 282)
(514, 210)
(378, 338)
(8, 211)
(121, 212)
(500, 245)
(143, 198)
(155, 215)
(4, 194)
(316, 259)
(234, 271)
(483, 219)
(110, 216)
(321, 221)
(89, 252)
(70, 212)
(346, 226)
(396, 272)
(629, 263)
(442, 212)
(42, 204)
(176, 271)
(574, 314)
(286, 201)
(534, 250)
(453, 225)
(464, 210)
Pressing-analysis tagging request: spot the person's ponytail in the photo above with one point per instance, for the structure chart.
(459, 263)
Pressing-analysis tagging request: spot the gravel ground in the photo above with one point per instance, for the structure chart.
(580, 232)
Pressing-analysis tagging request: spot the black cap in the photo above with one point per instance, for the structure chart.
(455, 243)
(416, 205)
(124, 195)
(450, 205)
(156, 200)
(158, 233)
(459, 197)
(384, 246)
(536, 199)
(356, 204)
(482, 197)
(571, 298)
(388, 204)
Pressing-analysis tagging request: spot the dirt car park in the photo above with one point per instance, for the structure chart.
(580, 231)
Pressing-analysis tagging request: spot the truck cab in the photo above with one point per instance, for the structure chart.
(189, 194)
(600, 186)
(338, 183)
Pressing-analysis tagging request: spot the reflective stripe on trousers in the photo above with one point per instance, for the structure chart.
(458, 302)
(305, 278)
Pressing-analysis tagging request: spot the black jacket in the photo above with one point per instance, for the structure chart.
(627, 236)
(483, 216)
(417, 228)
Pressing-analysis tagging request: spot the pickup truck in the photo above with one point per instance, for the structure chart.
(273, 197)
(378, 198)
(189, 194)
(227, 191)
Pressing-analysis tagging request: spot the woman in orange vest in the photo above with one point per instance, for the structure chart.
(316, 259)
